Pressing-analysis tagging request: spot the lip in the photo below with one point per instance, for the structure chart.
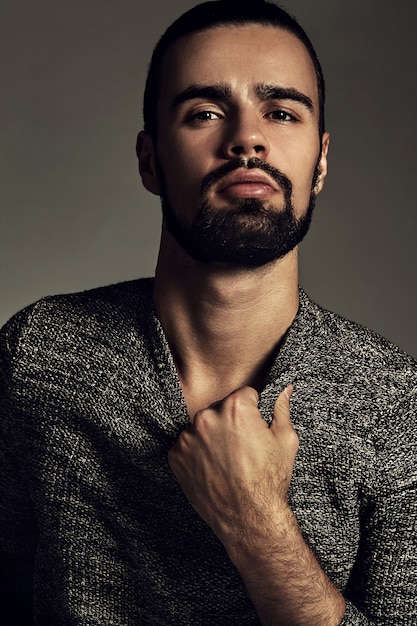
(244, 184)
(246, 177)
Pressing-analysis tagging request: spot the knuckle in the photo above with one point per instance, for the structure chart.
(241, 398)
(292, 437)
(249, 394)
(200, 418)
(181, 444)
(232, 403)
(199, 415)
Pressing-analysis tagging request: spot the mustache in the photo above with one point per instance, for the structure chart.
(252, 163)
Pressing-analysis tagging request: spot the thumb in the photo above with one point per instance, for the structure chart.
(282, 406)
(281, 416)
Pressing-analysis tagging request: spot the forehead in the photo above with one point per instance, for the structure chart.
(241, 56)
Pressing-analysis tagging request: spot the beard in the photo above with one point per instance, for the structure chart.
(249, 232)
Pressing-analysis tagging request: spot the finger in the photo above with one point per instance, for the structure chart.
(249, 393)
(281, 416)
(289, 391)
(233, 403)
(246, 394)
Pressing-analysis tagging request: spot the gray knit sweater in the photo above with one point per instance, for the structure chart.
(92, 518)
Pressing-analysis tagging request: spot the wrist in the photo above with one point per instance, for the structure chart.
(260, 534)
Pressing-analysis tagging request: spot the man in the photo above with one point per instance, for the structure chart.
(211, 447)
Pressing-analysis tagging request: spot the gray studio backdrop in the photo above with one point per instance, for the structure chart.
(74, 215)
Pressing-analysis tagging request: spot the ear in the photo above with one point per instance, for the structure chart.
(322, 163)
(145, 151)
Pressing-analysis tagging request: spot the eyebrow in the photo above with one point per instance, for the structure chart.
(223, 92)
(209, 92)
(274, 92)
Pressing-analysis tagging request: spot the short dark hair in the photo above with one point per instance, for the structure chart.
(218, 13)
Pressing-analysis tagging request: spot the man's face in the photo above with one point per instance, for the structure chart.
(237, 160)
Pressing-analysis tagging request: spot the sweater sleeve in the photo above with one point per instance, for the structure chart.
(353, 617)
(17, 534)
(383, 586)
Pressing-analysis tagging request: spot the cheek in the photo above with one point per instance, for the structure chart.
(302, 186)
(305, 163)
(297, 159)
(182, 165)
(182, 178)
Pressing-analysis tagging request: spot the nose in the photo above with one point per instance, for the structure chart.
(245, 137)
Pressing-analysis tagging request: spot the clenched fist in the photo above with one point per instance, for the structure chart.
(235, 469)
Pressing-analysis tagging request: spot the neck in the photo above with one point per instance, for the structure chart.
(224, 325)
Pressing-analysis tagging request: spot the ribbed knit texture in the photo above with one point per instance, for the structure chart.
(90, 405)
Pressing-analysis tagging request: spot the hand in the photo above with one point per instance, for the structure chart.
(235, 469)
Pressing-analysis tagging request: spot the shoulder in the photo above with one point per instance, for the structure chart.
(351, 376)
(76, 318)
(355, 397)
(351, 350)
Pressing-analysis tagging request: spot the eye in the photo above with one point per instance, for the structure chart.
(204, 116)
(279, 115)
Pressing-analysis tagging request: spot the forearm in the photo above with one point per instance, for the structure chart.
(283, 578)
